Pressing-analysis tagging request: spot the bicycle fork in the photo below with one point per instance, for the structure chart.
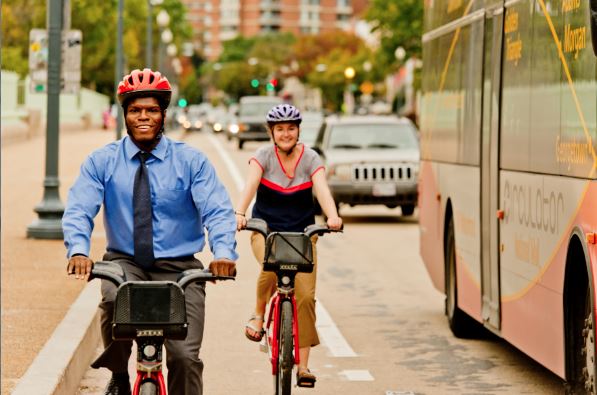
(274, 320)
(149, 364)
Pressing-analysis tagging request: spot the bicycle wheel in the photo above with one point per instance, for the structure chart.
(149, 388)
(286, 345)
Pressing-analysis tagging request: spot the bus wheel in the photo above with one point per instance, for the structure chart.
(461, 324)
(587, 365)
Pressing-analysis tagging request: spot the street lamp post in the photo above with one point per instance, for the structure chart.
(349, 74)
(149, 40)
(119, 69)
(163, 20)
(50, 210)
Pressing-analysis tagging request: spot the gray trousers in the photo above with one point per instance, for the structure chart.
(185, 368)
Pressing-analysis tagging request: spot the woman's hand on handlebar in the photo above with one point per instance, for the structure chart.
(334, 223)
(223, 267)
(241, 222)
(80, 266)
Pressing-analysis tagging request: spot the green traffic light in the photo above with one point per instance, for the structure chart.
(270, 87)
(255, 83)
(182, 103)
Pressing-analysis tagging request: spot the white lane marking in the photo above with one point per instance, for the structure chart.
(232, 169)
(330, 334)
(328, 331)
(357, 375)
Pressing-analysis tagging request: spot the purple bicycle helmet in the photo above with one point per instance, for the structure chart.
(284, 113)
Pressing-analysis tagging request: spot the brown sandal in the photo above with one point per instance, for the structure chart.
(259, 332)
(304, 378)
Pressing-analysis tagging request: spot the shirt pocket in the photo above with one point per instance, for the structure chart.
(175, 203)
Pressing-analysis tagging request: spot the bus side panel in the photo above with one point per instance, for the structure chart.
(431, 224)
(540, 213)
(466, 215)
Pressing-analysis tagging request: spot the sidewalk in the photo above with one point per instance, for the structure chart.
(36, 292)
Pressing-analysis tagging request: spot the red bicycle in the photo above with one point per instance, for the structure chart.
(286, 254)
(150, 312)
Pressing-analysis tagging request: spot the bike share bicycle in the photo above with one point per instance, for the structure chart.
(150, 312)
(286, 254)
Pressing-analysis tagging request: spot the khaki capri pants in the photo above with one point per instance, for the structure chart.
(304, 289)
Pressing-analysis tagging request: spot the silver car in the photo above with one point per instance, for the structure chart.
(371, 160)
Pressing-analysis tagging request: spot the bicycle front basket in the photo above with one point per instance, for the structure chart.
(149, 306)
(288, 251)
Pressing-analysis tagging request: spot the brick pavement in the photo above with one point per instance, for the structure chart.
(34, 288)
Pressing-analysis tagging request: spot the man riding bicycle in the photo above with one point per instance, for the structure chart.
(284, 176)
(158, 197)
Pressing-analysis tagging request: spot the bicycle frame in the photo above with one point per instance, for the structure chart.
(274, 319)
(150, 335)
(295, 256)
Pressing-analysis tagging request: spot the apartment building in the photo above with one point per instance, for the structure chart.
(215, 21)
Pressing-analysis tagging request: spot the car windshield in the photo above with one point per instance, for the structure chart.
(357, 136)
(256, 109)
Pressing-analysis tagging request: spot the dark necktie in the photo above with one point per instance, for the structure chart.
(142, 213)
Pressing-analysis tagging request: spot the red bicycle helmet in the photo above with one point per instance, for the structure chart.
(143, 84)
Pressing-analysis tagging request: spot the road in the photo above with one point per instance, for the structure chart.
(374, 287)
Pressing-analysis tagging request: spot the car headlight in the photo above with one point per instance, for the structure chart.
(233, 128)
(198, 124)
(217, 127)
(340, 172)
(186, 124)
(181, 119)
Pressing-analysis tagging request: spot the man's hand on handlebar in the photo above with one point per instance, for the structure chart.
(223, 267)
(334, 223)
(80, 266)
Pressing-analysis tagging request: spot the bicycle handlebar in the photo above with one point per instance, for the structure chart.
(190, 276)
(113, 272)
(260, 226)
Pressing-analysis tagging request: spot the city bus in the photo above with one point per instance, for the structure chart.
(508, 190)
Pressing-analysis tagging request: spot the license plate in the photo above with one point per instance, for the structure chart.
(384, 190)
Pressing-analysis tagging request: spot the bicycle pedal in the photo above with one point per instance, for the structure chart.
(263, 346)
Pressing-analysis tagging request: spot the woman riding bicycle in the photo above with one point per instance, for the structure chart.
(284, 176)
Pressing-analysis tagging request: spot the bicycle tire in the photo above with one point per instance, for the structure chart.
(286, 344)
(149, 388)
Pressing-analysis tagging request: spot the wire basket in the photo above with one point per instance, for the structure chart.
(288, 251)
(147, 306)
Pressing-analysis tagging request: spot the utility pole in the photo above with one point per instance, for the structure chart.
(149, 39)
(119, 70)
(50, 210)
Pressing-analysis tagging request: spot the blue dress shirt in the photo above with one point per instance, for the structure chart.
(186, 195)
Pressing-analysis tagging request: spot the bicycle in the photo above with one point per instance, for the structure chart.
(286, 254)
(150, 312)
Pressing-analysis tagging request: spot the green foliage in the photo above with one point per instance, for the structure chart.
(399, 23)
(98, 22)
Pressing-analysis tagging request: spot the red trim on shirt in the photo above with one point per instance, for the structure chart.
(295, 165)
(256, 161)
(316, 170)
(279, 188)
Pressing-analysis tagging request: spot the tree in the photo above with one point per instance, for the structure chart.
(400, 24)
(97, 21)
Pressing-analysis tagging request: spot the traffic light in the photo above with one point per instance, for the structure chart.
(182, 102)
(274, 82)
(255, 83)
(269, 87)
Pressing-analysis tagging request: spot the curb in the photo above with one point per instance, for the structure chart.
(64, 359)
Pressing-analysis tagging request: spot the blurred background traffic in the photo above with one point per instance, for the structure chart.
(325, 56)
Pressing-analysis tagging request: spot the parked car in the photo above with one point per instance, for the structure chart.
(310, 126)
(251, 118)
(371, 160)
